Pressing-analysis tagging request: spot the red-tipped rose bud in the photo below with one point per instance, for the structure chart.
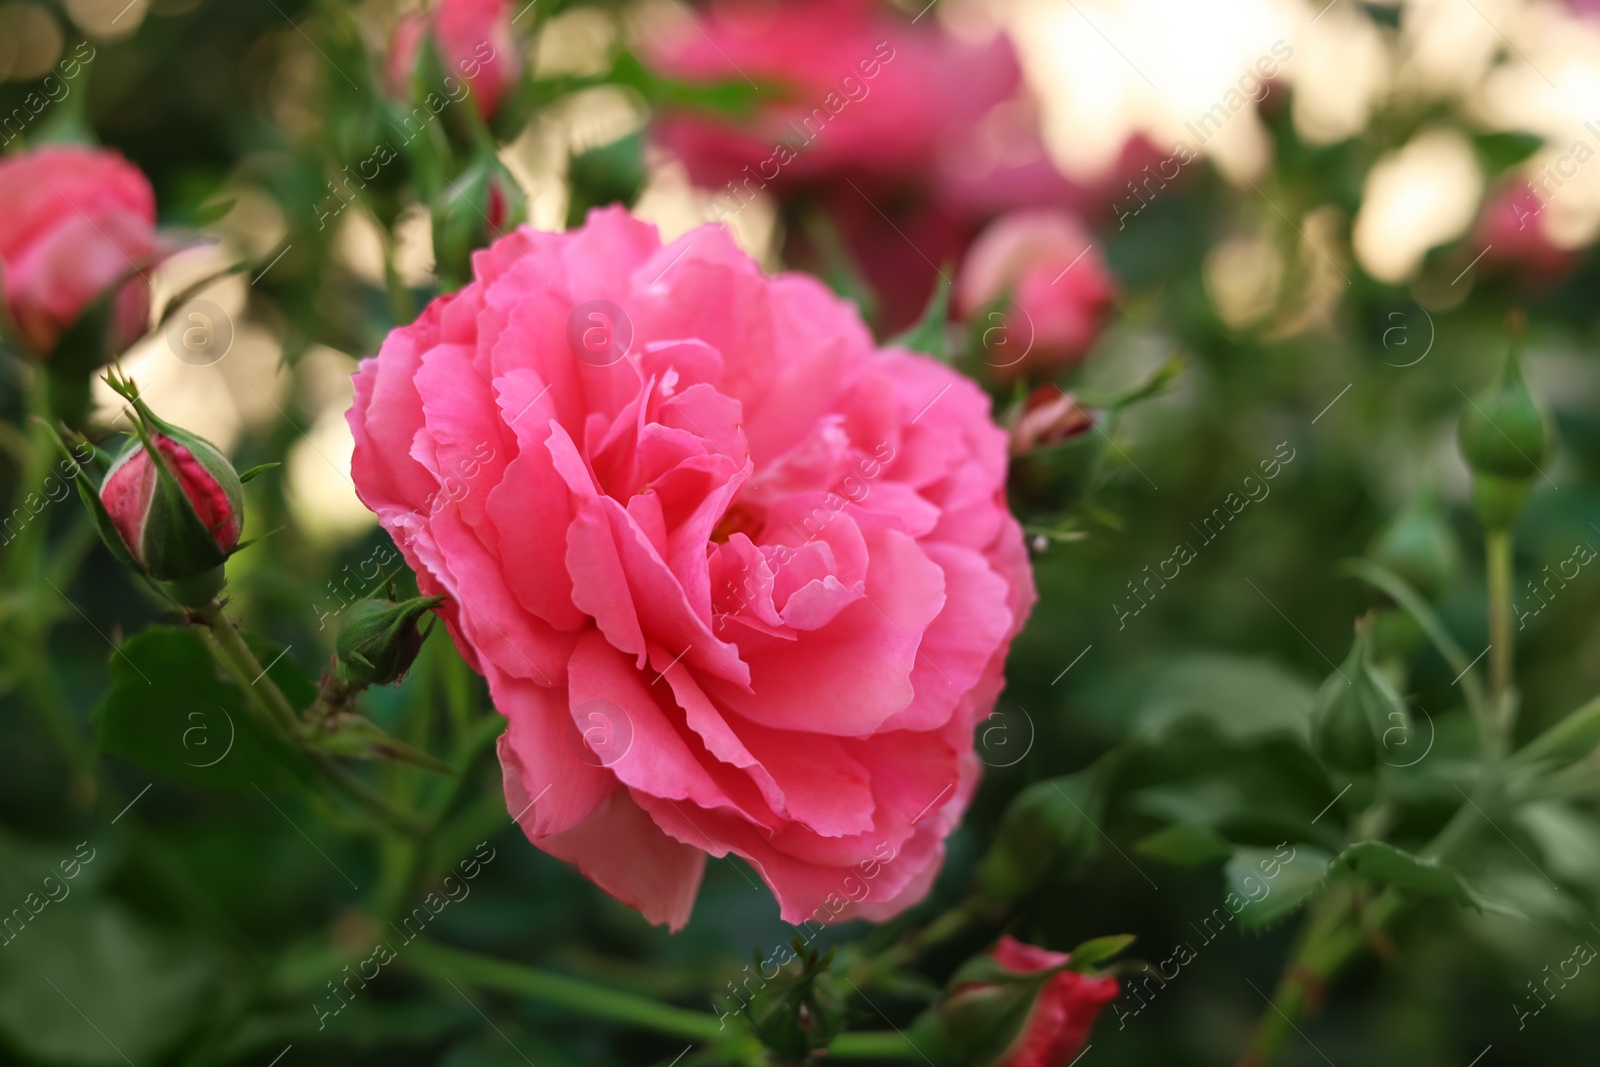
(178, 512)
(143, 508)
(1048, 417)
(1019, 1006)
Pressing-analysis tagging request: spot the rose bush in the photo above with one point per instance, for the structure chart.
(78, 221)
(739, 580)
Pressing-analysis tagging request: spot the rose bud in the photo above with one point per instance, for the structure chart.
(801, 1009)
(479, 207)
(178, 514)
(1354, 708)
(1504, 436)
(1019, 1007)
(1047, 417)
(1418, 546)
(1047, 831)
(1040, 279)
(474, 40)
(381, 641)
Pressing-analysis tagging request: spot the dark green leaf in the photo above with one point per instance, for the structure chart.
(1266, 886)
(1386, 865)
(89, 960)
(171, 711)
(1186, 845)
(1238, 697)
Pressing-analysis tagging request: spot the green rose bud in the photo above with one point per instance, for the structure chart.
(1505, 437)
(483, 203)
(381, 640)
(1355, 706)
(1418, 545)
(1046, 832)
(801, 1010)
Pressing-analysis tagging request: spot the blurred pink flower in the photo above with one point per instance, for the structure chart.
(739, 580)
(862, 91)
(475, 42)
(1511, 228)
(1059, 290)
(77, 221)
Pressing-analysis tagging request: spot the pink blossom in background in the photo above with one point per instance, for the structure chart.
(862, 91)
(475, 42)
(77, 221)
(1059, 288)
(1511, 228)
(740, 581)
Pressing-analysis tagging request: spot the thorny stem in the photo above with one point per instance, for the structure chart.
(229, 648)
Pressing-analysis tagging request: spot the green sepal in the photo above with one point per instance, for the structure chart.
(89, 493)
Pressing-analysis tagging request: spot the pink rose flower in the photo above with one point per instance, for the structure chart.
(77, 221)
(475, 42)
(864, 91)
(1063, 1013)
(739, 580)
(1060, 290)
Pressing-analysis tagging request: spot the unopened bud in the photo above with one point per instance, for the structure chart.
(1505, 436)
(1418, 546)
(1353, 709)
(179, 515)
(480, 206)
(1048, 417)
(381, 640)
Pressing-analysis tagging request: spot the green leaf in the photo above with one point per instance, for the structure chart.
(259, 468)
(1381, 577)
(1502, 151)
(1090, 954)
(1186, 844)
(172, 712)
(1386, 865)
(1569, 839)
(1568, 741)
(360, 738)
(930, 335)
(1266, 887)
(1238, 697)
(90, 960)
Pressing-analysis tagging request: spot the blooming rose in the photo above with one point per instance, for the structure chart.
(475, 42)
(1064, 1006)
(1059, 290)
(77, 221)
(739, 580)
